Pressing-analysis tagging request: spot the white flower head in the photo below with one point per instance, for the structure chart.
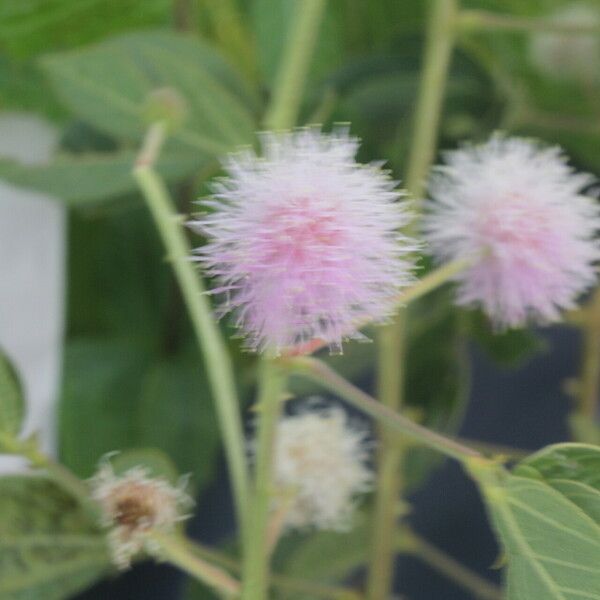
(568, 56)
(132, 506)
(517, 209)
(321, 466)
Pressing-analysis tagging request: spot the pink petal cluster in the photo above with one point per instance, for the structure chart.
(304, 240)
(518, 210)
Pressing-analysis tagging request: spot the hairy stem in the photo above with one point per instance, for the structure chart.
(436, 62)
(482, 20)
(282, 114)
(325, 376)
(255, 568)
(291, 77)
(212, 346)
(175, 550)
(390, 387)
(392, 340)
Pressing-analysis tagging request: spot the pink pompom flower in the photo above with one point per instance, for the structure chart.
(305, 241)
(517, 209)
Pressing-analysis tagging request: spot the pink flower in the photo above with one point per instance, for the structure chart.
(517, 208)
(304, 241)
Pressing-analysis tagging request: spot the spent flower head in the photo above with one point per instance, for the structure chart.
(305, 241)
(517, 210)
(321, 466)
(133, 505)
(569, 56)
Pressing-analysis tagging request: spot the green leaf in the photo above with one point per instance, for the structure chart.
(548, 516)
(119, 282)
(511, 348)
(108, 85)
(24, 88)
(175, 414)
(85, 179)
(101, 387)
(156, 462)
(119, 395)
(304, 556)
(48, 548)
(12, 404)
(39, 25)
(575, 462)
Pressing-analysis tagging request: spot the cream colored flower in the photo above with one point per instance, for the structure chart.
(133, 505)
(321, 467)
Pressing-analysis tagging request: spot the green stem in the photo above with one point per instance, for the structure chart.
(481, 20)
(390, 384)
(436, 62)
(293, 70)
(281, 582)
(255, 569)
(392, 339)
(479, 587)
(175, 550)
(232, 34)
(184, 15)
(325, 376)
(434, 279)
(218, 365)
(589, 381)
(29, 449)
(282, 114)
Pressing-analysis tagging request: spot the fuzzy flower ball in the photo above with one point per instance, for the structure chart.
(320, 463)
(132, 506)
(304, 240)
(567, 56)
(517, 209)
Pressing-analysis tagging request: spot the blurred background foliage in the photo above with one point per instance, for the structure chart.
(132, 373)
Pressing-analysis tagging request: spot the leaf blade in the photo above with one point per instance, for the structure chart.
(49, 547)
(12, 404)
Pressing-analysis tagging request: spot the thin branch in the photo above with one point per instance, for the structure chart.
(482, 20)
(412, 543)
(322, 374)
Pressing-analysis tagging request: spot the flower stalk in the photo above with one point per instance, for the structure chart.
(325, 376)
(212, 346)
(295, 63)
(413, 544)
(392, 340)
(482, 20)
(588, 387)
(175, 550)
(29, 449)
(280, 582)
(281, 114)
(255, 568)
